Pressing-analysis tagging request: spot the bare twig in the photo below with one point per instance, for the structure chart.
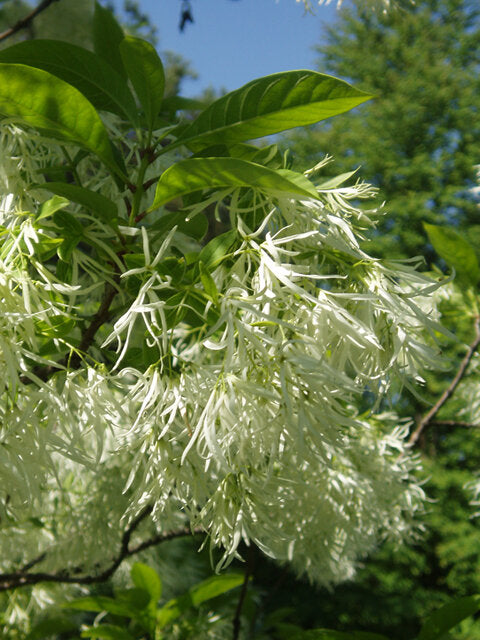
(25, 22)
(428, 417)
(249, 568)
(22, 578)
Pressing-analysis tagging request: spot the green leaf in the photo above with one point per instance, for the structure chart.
(40, 100)
(269, 105)
(214, 252)
(208, 283)
(68, 223)
(57, 326)
(335, 182)
(49, 207)
(144, 577)
(206, 590)
(110, 631)
(329, 634)
(102, 603)
(89, 73)
(107, 36)
(51, 627)
(145, 70)
(195, 228)
(195, 174)
(456, 251)
(448, 616)
(92, 200)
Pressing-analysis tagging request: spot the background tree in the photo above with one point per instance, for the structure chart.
(419, 141)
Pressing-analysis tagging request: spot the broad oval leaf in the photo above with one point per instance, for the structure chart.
(456, 251)
(145, 71)
(269, 105)
(92, 200)
(36, 98)
(144, 577)
(83, 69)
(195, 174)
(447, 617)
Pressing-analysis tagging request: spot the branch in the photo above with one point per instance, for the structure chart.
(88, 336)
(243, 593)
(454, 423)
(22, 578)
(25, 22)
(428, 417)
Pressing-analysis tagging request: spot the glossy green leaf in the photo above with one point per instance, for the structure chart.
(447, 617)
(145, 71)
(206, 590)
(214, 252)
(269, 105)
(109, 631)
(92, 200)
(57, 326)
(195, 174)
(49, 207)
(456, 251)
(83, 69)
(107, 36)
(144, 577)
(38, 99)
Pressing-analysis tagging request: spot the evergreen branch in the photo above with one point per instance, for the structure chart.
(22, 578)
(427, 419)
(23, 23)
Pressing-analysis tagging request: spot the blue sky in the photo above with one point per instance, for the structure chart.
(233, 42)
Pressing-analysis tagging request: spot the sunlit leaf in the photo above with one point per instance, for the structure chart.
(269, 105)
(88, 72)
(38, 99)
(195, 174)
(456, 251)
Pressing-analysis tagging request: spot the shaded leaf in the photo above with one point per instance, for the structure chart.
(329, 634)
(83, 69)
(195, 174)
(456, 251)
(269, 105)
(206, 590)
(92, 200)
(50, 627)
(213, 252)
(38, 99)
(110, 631)
(102, 603)
(145, 71)
(107, 36)
(447, 617)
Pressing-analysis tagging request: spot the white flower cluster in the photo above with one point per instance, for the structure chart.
(255, 425)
